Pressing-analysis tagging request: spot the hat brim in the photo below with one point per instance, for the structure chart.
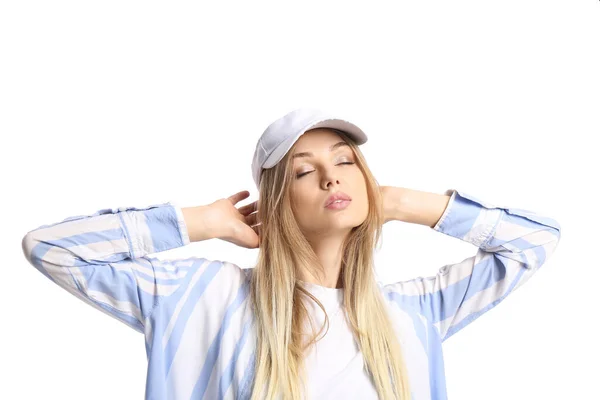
(351, 130)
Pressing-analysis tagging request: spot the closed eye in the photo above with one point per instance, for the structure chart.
(298, 176)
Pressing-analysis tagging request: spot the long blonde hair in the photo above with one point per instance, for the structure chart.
(277, 300)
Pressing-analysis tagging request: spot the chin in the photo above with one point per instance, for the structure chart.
(345, 221)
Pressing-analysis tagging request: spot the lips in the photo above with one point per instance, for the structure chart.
(336, 196)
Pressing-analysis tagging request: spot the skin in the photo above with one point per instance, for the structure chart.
(325, 229)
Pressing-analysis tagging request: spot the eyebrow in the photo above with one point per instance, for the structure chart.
(331, 148)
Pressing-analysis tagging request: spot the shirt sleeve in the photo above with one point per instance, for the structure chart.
(102, 258)
(512, 245)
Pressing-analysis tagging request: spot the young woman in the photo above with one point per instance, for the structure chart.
(216, 331)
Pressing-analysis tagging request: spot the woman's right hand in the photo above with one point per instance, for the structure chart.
(222, 220)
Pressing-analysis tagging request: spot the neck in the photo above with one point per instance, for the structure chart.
(329, 252)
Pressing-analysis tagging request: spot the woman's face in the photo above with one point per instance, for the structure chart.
(323, 173)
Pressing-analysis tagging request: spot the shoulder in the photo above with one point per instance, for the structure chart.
(228, 273)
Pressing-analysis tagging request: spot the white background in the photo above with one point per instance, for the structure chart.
(121, 103)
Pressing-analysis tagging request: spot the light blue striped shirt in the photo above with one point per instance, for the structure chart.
(194, 313)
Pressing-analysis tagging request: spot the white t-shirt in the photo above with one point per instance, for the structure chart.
(335, 364)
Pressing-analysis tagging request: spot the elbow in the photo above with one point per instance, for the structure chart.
(556, 230)
(552, 244)
(28, 244)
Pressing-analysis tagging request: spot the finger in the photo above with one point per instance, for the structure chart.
(248, 208)
(251, 239)
(255, 228)
(252, 219)
(239, 196)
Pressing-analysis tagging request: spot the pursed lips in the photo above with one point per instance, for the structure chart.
(339, 196)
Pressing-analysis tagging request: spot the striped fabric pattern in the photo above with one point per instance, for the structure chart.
(194, 312)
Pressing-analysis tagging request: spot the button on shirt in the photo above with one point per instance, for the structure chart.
(194, 313)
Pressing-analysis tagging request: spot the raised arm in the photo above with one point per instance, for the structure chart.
(512, 245)
(101, 258)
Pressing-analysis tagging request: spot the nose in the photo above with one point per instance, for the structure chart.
(328, 179)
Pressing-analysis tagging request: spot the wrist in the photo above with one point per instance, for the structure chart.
(196, 223)
(420, 207)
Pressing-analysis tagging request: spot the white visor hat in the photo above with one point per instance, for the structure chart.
(281, 135)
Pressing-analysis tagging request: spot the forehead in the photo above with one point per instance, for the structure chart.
(317, 139)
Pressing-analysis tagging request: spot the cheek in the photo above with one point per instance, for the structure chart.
(301, 203)
(361, 191)
(308, 210)
(359, 182)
